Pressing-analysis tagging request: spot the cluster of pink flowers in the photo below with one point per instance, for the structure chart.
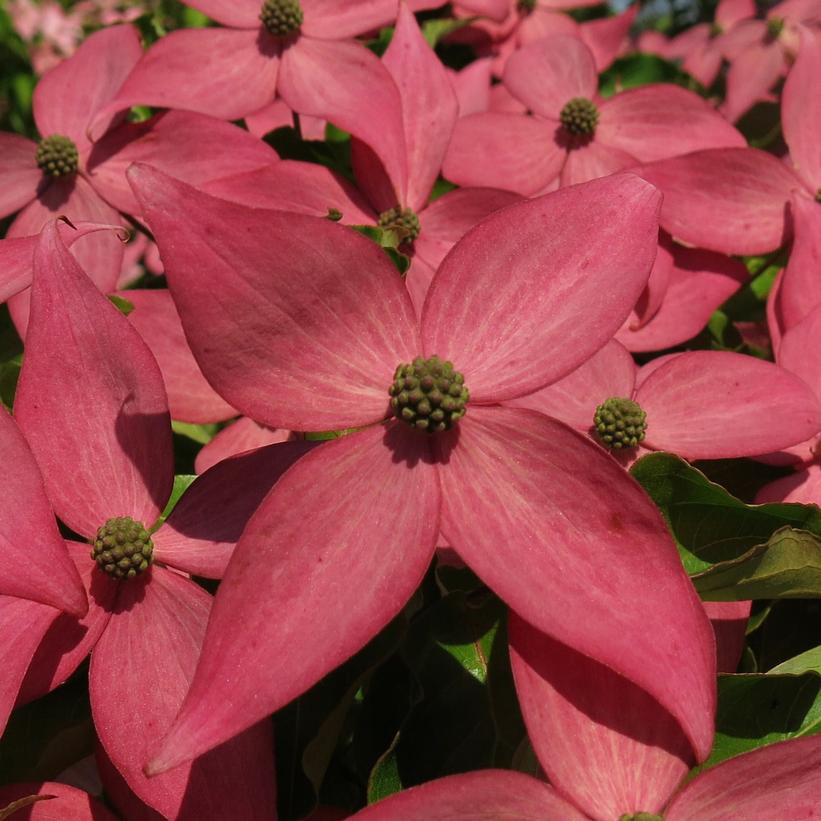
(488, 398)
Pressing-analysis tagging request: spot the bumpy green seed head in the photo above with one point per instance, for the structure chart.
(620, 423)
(641, 816)
(57, 156)
(775, 25)
(122, 548)
(281, 17)
(580, 116)
(429, 394)
(402, 221)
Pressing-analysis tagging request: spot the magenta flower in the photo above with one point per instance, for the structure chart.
(699, 404)
(575, 136)
(108, 476)
(313, 342)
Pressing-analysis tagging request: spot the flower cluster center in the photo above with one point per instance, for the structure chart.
(580, 116)
(281, 17)
(57, 156)
(402, 221)
(122, 548)
(620, 423)
(429, 394)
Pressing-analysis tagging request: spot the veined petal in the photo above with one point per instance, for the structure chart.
(799, 352)
(65, 804)
(113, 454)
(663, 120)
(722, 405)
(242, 435)
(605, 36)
(19, 174)
(801, 111)
(200, 534)
(70, 96)
(34, 563)
(731, 200)
(501, 795)
(750, 77)
(190, 397)
(241, 14)
(338, 19)
(140, 671)
(777, 781)
(344, 538)
(306, 340)
(505, 303)
(800, 287)
(548, 73)
(610, 372)
(557, 529)
(589, 162)
(602, 741)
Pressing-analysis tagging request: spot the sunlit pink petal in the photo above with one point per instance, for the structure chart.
(113, 456)
(240, 436)
(602, 740)
(241, 14)
(502, 795)
(190, 397)
(67, 804)
(571, 580)
(526, 155)
(803, 487)
(542, 23)
(731, 200)
(721, 405)
(801, 112)
(203, 529)
(800, 287)
(777, 781)
(594, 160)
(472, 86)
(729, 12)
(750, 77)
(518, 346)
(298, 347)
(337, 19)
(19, 174)
(325, 552)
(740, 37)
(605, 36)
(141, 667)
(729, 620)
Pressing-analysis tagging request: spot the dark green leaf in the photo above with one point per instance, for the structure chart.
(640, 69)
(384, 779)
(807, 662)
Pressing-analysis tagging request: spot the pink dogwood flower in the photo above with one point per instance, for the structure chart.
(575, 136)
(350, 530)
(108, 475)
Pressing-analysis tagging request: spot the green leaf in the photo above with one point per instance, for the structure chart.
(640, 69)
(708, 524)
(807, 662)
(181, 484)
(434, 30)
(755, 710)
(201, 434)
(20, 803)
(384, 778)
(788, 566)
(123, 305)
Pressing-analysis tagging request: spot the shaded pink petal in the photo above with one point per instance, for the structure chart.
(308, 343)
(226, 73)
(19, 174)
(23, 624)
(652, 297)
(496, 10)
(338, 19)
(113, 456)
(300, 187)
(190, 397)
(700, 282)
(100, 256)
(429, 106)
(704, 64)
(203, 529)
(542, 23)
(721, 405)
(142, 666)
(343, 539)
(344, 82)
(750, 77)
(524, 274)
(729, 12)
(33, 559)
(799, 351)
(777, 781)
(729, 620)
(526, 155)
(271, 116)
(68, 98)
(68, 803)
(800, 287)
(801, 111)
(472, 86)
(658, 121)
(241, 14)
(557, 529)
(240, 436)
(191, 147)
(117, 791)
(448, 218)
(501, 795)
(573, 400)
(606, 35)
(594, 160)
(602, 740)
(547, 74)
(731, 200)
(68, 640)
(803, 487)
(417, 281)
(373, 181)
(746, 34)
(502, 100)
